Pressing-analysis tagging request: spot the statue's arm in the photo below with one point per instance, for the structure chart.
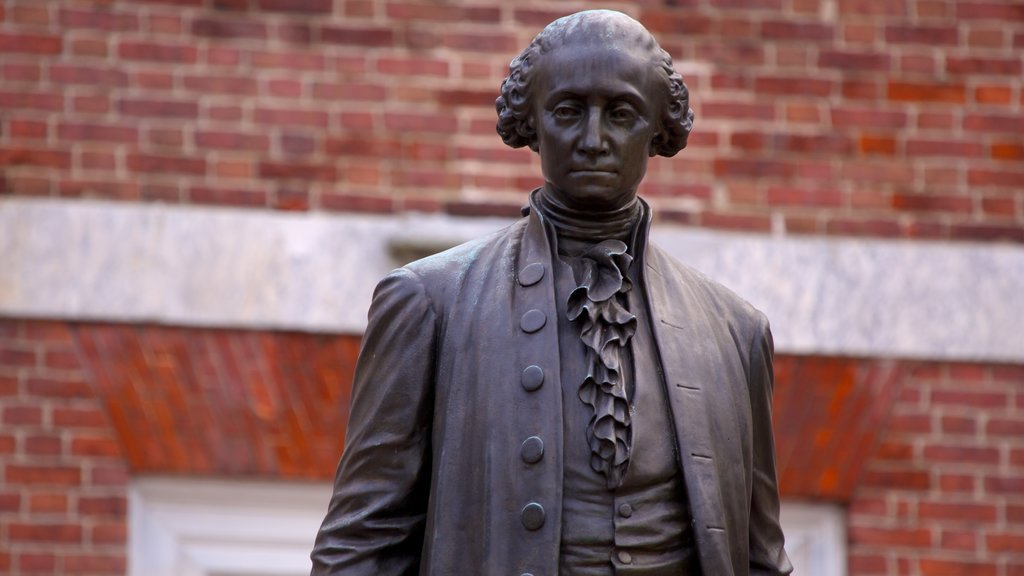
(375, 521)
(767, 555)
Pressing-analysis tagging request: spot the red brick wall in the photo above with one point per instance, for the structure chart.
(928, 457)
(869, 117)
(63, 474)
(943, 491)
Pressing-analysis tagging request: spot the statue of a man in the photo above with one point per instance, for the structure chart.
(561, 397)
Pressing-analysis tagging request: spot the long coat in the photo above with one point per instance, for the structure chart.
(460, 365)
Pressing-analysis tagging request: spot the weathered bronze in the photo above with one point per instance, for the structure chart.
(562, 397)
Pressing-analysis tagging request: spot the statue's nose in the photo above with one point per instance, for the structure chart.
(593, 141)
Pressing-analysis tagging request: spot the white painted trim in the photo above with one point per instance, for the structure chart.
(193, 527)
(223, 267)
(188, 527)
(815, 538)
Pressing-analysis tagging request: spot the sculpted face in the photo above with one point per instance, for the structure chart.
(595, 111)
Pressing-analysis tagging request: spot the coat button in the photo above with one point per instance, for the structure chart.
(532, 321)
(531, 274)
(532, 378)
(624, 557)
(533, 516)
(533, 450)
(625, 510)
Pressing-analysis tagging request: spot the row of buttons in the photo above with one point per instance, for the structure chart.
(532, 378)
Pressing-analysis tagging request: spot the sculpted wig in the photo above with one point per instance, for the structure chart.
(515, 106)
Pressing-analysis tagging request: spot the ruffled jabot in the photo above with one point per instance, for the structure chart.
(600, 262)
(606, 328)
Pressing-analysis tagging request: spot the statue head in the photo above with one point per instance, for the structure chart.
(596, 96)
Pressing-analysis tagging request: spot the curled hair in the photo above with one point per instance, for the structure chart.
(514, 105)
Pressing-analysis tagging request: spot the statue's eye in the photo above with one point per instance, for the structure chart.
(622, 113)
(565, 112)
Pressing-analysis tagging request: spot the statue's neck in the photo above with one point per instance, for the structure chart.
(592, 226)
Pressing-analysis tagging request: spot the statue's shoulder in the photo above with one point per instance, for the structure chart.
(453, 265)
(716, 299)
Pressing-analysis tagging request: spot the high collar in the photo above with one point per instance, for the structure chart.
(636, 239)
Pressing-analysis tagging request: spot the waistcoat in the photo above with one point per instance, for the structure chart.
(643, 527)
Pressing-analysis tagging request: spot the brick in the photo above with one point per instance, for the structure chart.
(221, 84)
(157, 52)
(37, 562)
(890, 537)
(107, 532)
(350, 91)
(53, 533)
(988, 65)
(877, 145)
(1007, 12)
(100, 446)
(496, 43)
(789, 196)
(1005, 485)
(739, 167)
(800, 31)
(1005, 178)
(37, 476)
(21, 72)
(357, 203)
(290, 6)
(98, 18)
(225, 140)
(289, 60)
(986, 232)
(862, 8)
(177, 165)
(994, 123)
(43, 445)
(919, 92)
(957, 483)
(364, 36)
(947, 512)
(231, 28)
(111, 76)
(442, 13)
(53, 388)
(737, 110)
(75, 131)
(993, 94)
(923, 35)
(1005, 542)
(44, 44)
(48, 502)
(297, 170)
(868, 118)
(227, 196)
(439, 123)
(854, 61)
(44, 101)
(110, 563)
(898, 479)
(12, 356)
(285, 117)
(111, 506)
(148, 107)
(22, 415)
(1005, 427)
(795, 86)
(413, 66)
(932, 567)
(970, 399)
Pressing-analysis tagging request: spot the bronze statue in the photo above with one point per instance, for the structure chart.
(561, 397)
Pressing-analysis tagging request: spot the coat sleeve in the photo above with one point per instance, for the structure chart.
(767, 554)
(375, 520)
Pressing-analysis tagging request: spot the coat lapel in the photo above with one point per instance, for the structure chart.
(688, 358)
